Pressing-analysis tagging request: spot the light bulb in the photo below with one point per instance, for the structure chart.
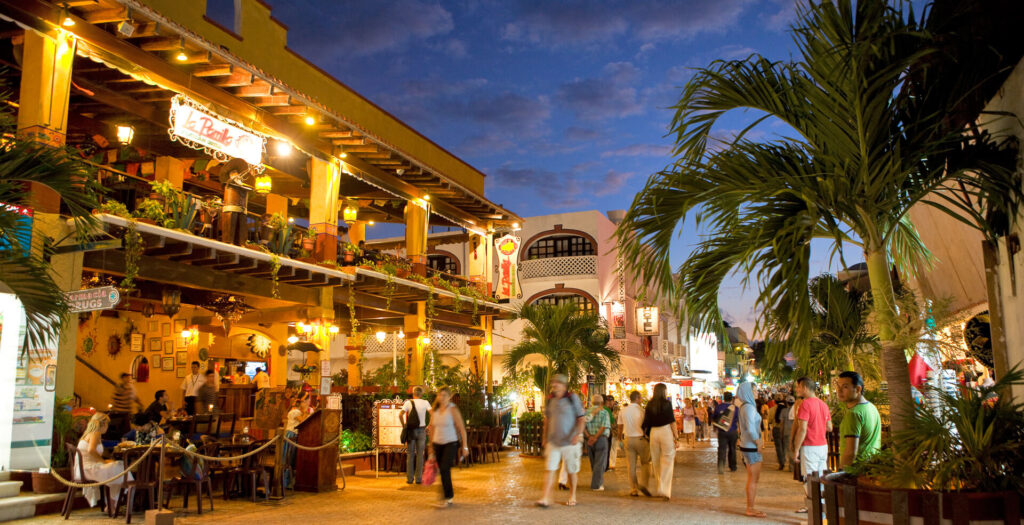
(381, 336)
(333, 329)
(293, 339)
(310, 120)
(181, 56)
(401, 334)
(426, 340)
(283, 148)
(186, 334)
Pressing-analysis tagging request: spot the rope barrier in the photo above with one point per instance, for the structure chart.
(223, 458)
(78, 485)
(330, 443)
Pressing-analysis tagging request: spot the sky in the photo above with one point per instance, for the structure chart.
(564, 105)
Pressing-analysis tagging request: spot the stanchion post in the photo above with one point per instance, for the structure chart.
(160, 515)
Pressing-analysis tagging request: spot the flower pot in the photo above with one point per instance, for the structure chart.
(402, 273)
(308, 244)
(44, 483)
(349, 257)
(144, 220)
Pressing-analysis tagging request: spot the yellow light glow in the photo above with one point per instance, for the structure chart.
(310, 120)
(185, 334)
(381, 336)
(426, 197)
(342, 155)
(300, 326)
(125, 134)
(426, 340)
(293, 339)
(487, 348)
(291, 219)
(307, 328)
(350, 213)
(333, 329)
(283, 148)
(68, 21)
(181, 56)
(401, 334)
(515, 225)
(371, 223)
(263, 184)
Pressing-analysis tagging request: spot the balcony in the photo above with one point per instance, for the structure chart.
(558, 268)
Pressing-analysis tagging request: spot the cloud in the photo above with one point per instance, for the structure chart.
(502, 109)
(577, 23)
(455, 48)
(326, 32)
(609, 96)
(734, 51)
(639, 150)
(580, 134)
(572, 188)
(781, 13)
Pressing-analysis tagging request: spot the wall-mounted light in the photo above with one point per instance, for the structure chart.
(262, 184)
(310, 120)
(400, 334)
(333, 329)
(67, 21)
(381, 336)
(515, 225)
(125, 134)
(282, 148)
(426, 340)
(371, 223)
(350, 213)
(487, 348)
(342, 155)
(426, 197)
(182, 55)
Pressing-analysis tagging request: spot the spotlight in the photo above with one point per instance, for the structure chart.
(426, 340)
(381, 336)
(400, 334)
(426, 197)
(371, 223)
(67, 21)
(342, 155)
(283, 149)
(515, 225)
(181, 56)
(310, 120)
(292, 339)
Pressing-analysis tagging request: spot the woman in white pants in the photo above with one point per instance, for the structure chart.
(660, 426)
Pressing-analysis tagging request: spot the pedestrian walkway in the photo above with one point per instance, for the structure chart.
(504, 493)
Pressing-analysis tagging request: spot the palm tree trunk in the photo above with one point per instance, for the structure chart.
(894, 359)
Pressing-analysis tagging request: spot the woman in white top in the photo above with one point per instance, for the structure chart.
(446, 429)
(95, 468)
(689, 425)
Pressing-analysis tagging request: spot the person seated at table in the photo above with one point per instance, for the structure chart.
(206, 400)
(144, 430)
(240, 378)
(95, 468)
(160, 409)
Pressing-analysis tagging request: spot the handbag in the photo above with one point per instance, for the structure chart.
(430, 471)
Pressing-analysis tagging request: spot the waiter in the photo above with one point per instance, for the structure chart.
(190, 388)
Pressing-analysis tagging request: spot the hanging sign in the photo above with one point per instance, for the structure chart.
(194, 127)
(102, 298)
(617, 319)
(508, 268)
(647, 320)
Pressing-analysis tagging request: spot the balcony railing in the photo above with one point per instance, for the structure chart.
(558, 267)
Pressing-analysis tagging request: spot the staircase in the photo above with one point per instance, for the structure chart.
(15, 506)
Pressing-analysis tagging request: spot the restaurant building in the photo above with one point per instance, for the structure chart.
(240, 180)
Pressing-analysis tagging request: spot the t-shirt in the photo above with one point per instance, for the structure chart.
(562, 413)
(815, 412)
(861, 421)
(294, 418)
(153, 411)
(240, 379)
(632, 417)
(124, 396)
(191, 384)
(421, 409)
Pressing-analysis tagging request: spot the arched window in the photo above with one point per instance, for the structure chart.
(443, 263)
(581, 302)
(560, 246)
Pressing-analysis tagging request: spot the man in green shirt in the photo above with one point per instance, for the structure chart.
(860, 432)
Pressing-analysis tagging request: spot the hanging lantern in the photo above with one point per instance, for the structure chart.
(262, 184)
(147, 310)
(350, 213)
(171, 301)
(381, 336)
(125, 133)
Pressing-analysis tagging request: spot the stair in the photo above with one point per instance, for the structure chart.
(14, 505)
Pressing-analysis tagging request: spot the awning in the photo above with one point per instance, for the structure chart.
(642, 369)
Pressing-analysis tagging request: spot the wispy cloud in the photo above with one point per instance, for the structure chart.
(572, 188)
(612, 95)
(639, 150)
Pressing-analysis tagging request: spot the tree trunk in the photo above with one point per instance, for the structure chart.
(894, 358)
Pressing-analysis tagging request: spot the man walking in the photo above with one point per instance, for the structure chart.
(563, 426)
(190, 388)
(725, 423)
(414, 418)
(596, 430)
(860, 433)
(637, 447)
(813, 421)
(123, 403)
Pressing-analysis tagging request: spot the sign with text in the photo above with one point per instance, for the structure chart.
(201, 130)
(387, 425)
(508, 267)
(103, 298)
(647, 320)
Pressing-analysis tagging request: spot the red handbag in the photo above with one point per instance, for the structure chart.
(430, 472)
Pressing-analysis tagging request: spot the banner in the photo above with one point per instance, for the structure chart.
(200, 130)
(508, 266)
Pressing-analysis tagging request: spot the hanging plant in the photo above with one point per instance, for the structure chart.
(476, 308)
(389, 290)
(431, 306)
(275, 267)
(354, 328)
(133, 246)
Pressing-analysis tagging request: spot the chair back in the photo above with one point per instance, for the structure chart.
(144, 472)
(209, 449)
(202, 424)
(75, 460)
(256, 460)
(227, 420)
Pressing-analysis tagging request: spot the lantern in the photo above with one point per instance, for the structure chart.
(171, 301)
(262, 184)
(125, 134)
(350, 213)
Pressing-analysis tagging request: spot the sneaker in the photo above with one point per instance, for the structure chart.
(599, 489)
(802, 511)
(444, 504)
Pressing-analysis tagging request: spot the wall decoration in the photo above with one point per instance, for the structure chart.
(168, 346)
(258, 345)
(508, 266)
(136, 342)
(204, 354)
(168, 364)
(153, 326)
(114, 345)
(140, 369)
(165, 329)
(181, 358)
(179, 326)
(180, 342)
(154, 361)
(180, 372)
(155, 345)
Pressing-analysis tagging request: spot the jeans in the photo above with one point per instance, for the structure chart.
(446, 454)
(727, 447)
(598, 455)
(414, 458)
(638, 450)
(288, 453)
(781, 443)
(190, 405)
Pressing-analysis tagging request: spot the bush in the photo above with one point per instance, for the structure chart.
(353, 441)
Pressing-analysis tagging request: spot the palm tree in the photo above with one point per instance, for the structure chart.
(572, 342)
(867, 137)
(25, 270)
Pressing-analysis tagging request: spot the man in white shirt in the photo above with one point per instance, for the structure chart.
(190, 388)
(637, 447)
(261, 379)
(417, 440)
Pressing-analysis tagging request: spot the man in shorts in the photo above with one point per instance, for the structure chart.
(813, 422)
(563, 426)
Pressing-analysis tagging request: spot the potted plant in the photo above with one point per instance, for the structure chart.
(113, 207)
(309, 240)
(279, 238)
(350, 252)
(182, 207)
(150, 211)
(43, 482)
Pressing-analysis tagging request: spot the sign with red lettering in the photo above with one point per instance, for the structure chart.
(508, 274)
(196, 128)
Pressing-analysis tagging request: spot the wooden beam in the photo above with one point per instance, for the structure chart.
(122, 102)
(272, 101)
(213, 70)
(369, 148)
(340, 134)
(258, 89)
(236, 79)
(288, 110)
(105, 16)
(162, 44)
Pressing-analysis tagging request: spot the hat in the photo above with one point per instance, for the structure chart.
(560, 378)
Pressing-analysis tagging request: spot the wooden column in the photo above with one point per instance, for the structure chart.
(416, 218)
(476, 357)
(488, 350)
(277, 204)
(415, 327)
(325, 178)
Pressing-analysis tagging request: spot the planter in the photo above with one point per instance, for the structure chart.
(849, 502)
(361, 460)
(144, 220)
(401, 273)
(349, 257)
(44, 483)
(308, 244)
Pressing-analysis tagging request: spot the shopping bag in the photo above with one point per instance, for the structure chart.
(430, 472)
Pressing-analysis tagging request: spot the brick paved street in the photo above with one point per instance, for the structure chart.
(505, 492)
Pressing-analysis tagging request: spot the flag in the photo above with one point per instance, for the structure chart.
(918, 370)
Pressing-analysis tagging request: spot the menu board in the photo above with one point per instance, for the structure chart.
(387, 426)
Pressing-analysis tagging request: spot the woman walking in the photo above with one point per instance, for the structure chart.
(750, 443)
(689, 423)
(446, 431)
(660, 427)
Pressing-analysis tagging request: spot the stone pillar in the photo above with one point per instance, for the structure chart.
(325, 177)
(416, 218)
(415, 326)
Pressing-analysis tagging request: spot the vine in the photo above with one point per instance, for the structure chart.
(275, 267)
(354, 328)
(431, 307)
(133, 246)
(389, 290)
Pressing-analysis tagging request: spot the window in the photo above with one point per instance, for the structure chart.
(584, 304)
(225, 14)
(443, 263)
(563, 246)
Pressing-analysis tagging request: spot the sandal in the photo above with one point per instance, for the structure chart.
(542, 504)
(756, 514)
(570, 503)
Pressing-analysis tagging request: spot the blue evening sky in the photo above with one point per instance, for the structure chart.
(563, 104)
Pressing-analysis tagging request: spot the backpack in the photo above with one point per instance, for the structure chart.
(412, 422)
(724, 420)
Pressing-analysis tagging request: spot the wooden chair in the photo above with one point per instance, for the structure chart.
(144, 479)
(202, 425)
(477, 447)
(494, 443)
(252, 468)
(75, 460)
(223, 420)
(197, 476)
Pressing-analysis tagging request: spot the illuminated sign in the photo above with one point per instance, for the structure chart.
(195, 128)
(617, 319)
(508, 270)
(647, 320)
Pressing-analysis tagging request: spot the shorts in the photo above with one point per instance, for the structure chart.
(813, 459)
(570, 454)
(750, 458)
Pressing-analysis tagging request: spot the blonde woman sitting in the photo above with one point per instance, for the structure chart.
(95, 468)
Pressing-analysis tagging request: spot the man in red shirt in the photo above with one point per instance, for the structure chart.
(813, 421)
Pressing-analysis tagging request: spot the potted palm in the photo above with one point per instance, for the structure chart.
(43, 482)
